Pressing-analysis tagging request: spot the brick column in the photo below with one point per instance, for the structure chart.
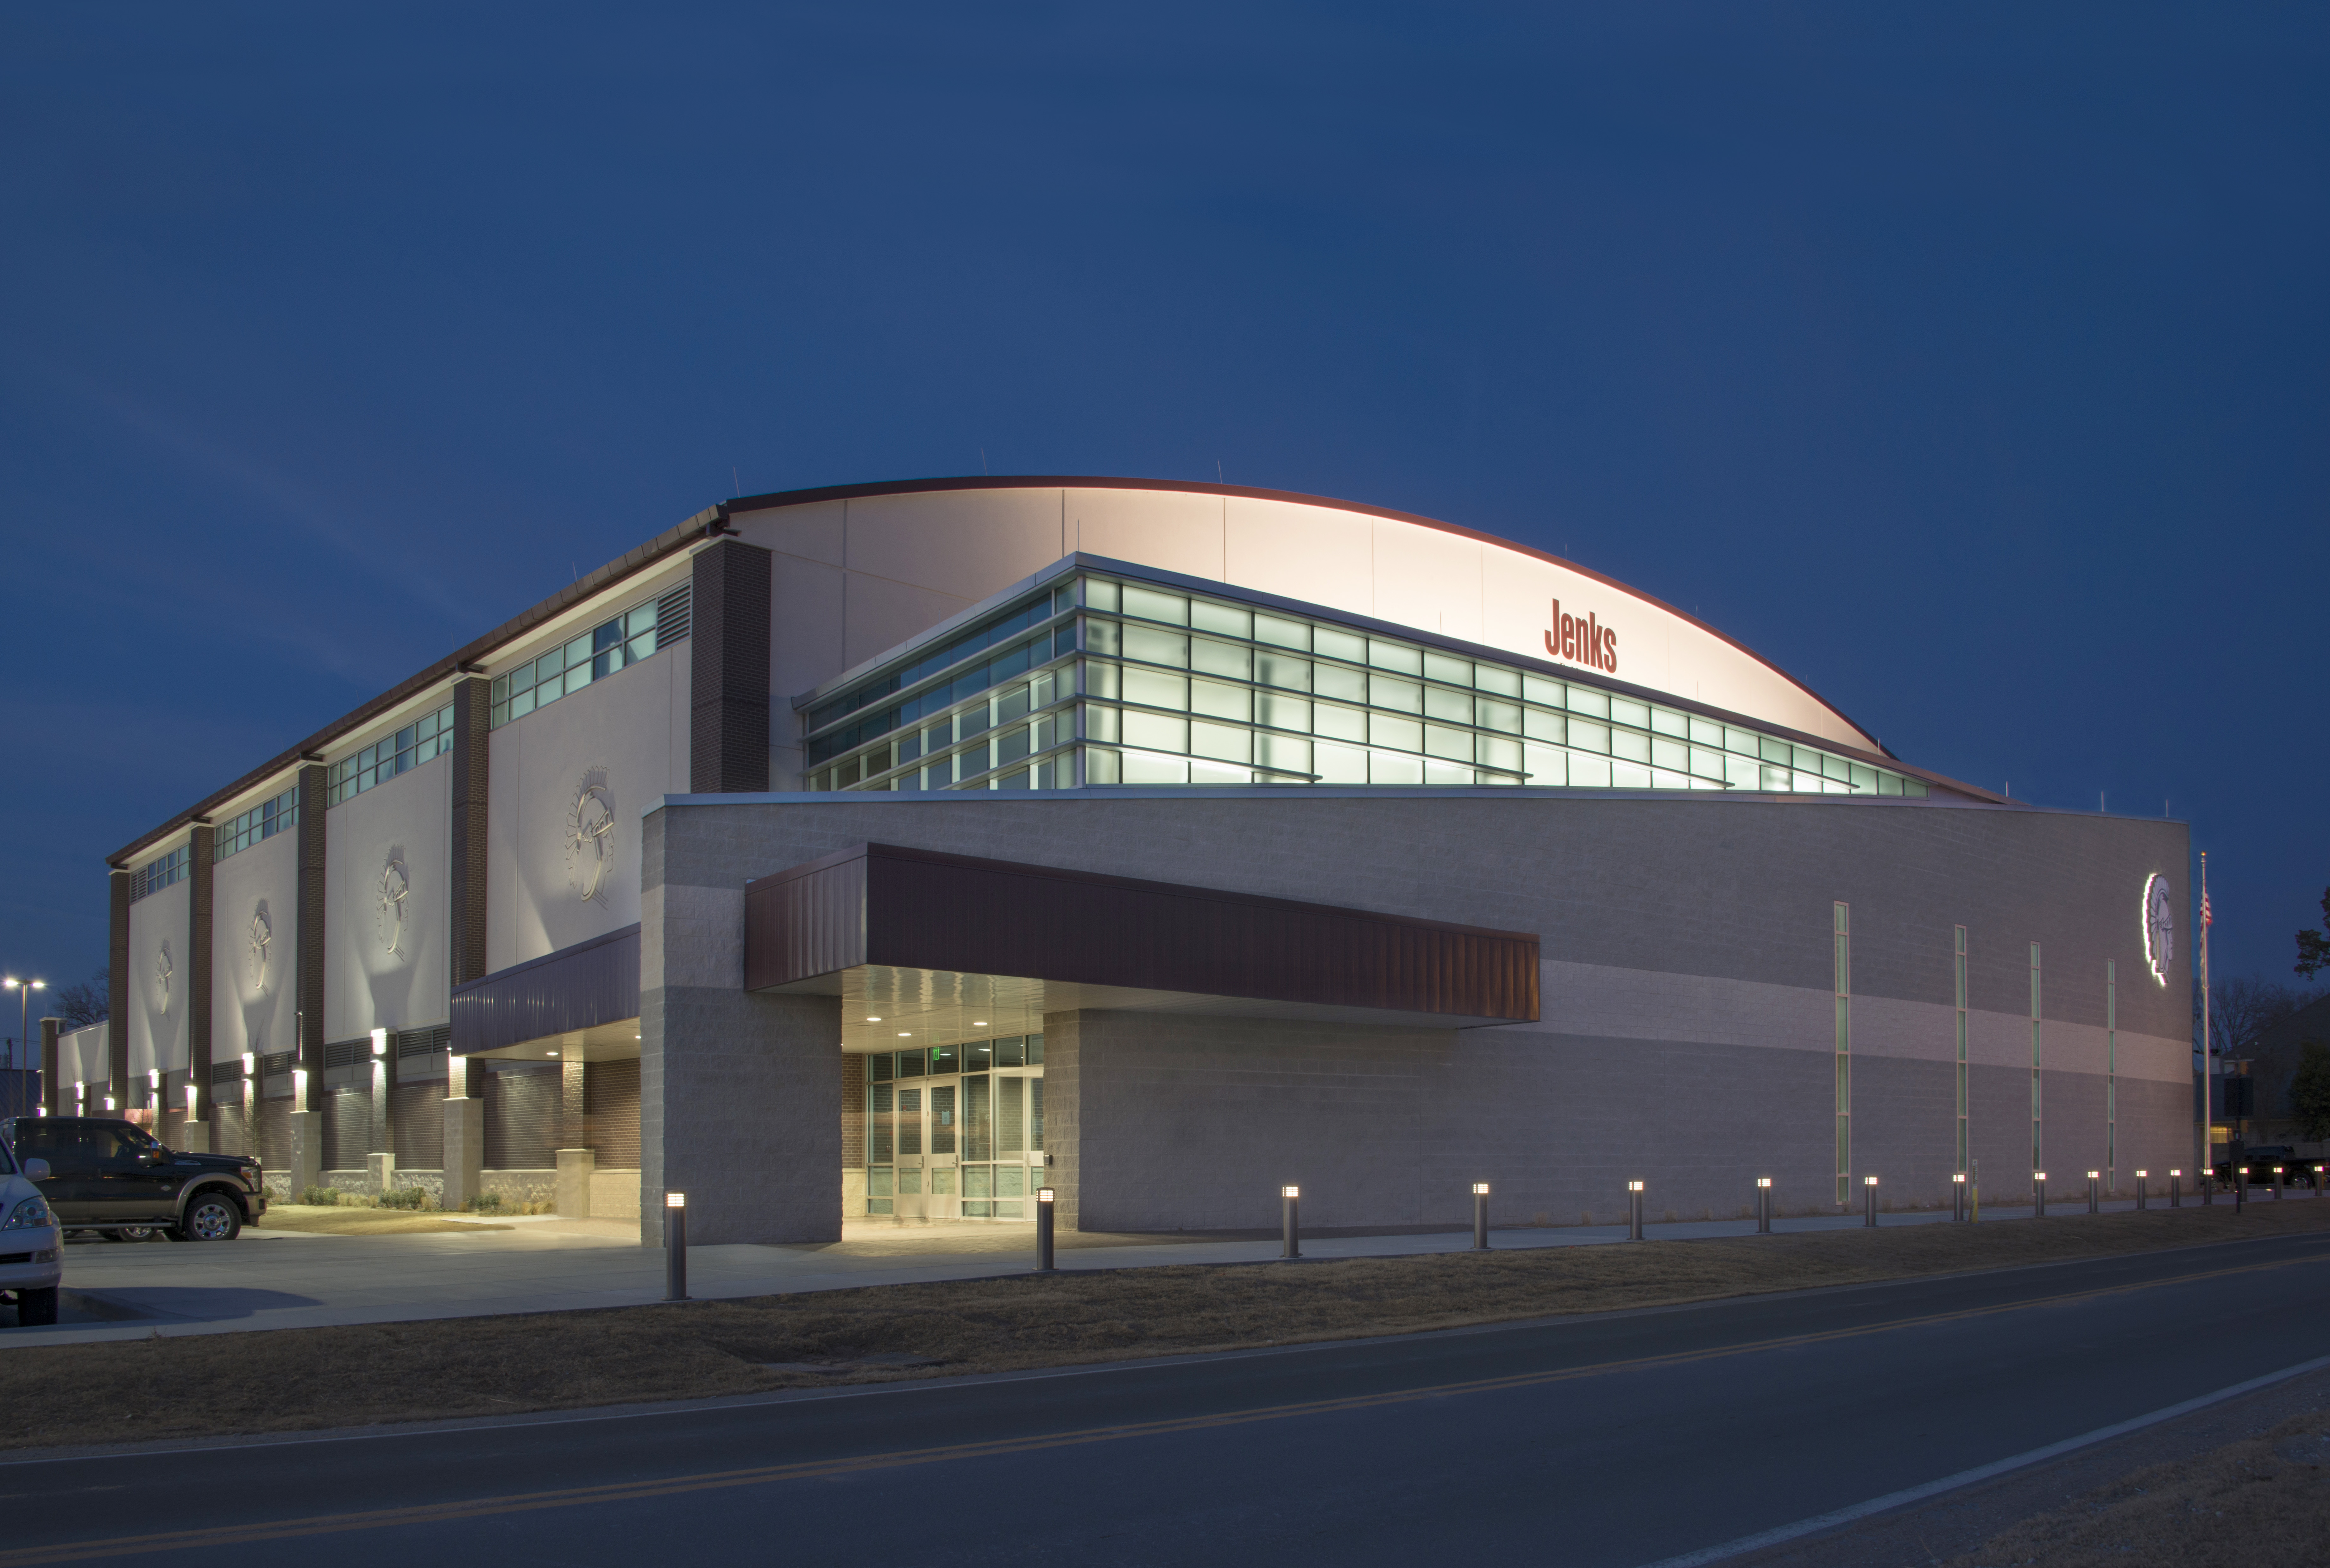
(472, 704)
(116, 999)
(49, 1066)
(309, 959)
(198, 993)
(728, 670)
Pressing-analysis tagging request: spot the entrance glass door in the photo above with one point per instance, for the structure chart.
(955, 1132)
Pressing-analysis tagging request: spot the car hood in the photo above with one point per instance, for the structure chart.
(14, 1190)
(212, 1161)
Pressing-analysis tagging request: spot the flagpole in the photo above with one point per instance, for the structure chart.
(2203, 1169)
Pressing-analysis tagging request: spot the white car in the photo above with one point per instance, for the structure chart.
(31, 1246)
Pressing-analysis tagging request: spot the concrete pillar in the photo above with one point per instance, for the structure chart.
(1063, 1169)
(194, 1138)
(465, 1151)
(382, 1170)
(575, 1168)
(307, 1150)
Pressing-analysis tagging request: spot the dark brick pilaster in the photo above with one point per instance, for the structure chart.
(49, 1067)
(472, 704)
(198, 991)
(116, 998)
(309, 961)
(729, 671)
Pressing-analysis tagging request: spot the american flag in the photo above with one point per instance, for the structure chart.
(2204, 906)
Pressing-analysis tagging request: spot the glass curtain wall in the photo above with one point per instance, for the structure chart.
(1103, 680)
(955, 1132)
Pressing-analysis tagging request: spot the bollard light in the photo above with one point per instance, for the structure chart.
(1633, 1211)
(2039, 1194)
(2317, 1181)
(1290, 1222)
(1869, 1203)
(1044, 1213)
(1479, 1216)
(2095, 1202)
(2277, 1184)
(1480, 1189)
(1763, 1206)
(675, 1246)
(2175, 1188)
(2143, 1194)
(1957, 1196)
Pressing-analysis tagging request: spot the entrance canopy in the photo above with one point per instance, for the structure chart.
(927, 949)
(580, 1003)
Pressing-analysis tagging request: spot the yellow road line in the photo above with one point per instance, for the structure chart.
(714, 1481)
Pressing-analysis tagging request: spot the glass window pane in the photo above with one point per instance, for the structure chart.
(1103, 636)
(1335, 681)
(577, 678)
(1707, 733)
(578, 652)
(1294, 634)
(1340, 645)
(1341, 723)
(604, 637)
(1629, 776)
(1148, 768)
(1339, 764)
(1156, 689)
(1587, 700)
(1670, 754)
(1385, 768)
(1455, 745)
(1391, 691)
(971, 761)
(1101, 680)
(1538, 689)
(1208, 616)
(1221, 701)
(1441, 666)
(1395, 656)
(1222, 742)
(1739, 741)
(1151, 605)
(1100, 593)
(1284, 752)
(1385, 730)
(1667, 721)
(1548, 769)
(1278, 670)
(1539, 725)
(1498, 753)
(1221, 658)
(1283, 712)
(1588, 736)
(1157, 732)
(1492, 714)
(1449, 707)
(1157, 647)
(1625, 711)
(1446, 774)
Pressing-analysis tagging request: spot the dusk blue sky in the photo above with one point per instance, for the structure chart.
(1969, 362)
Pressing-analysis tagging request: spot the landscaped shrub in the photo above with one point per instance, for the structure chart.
(326, 1196)
(404, 1199)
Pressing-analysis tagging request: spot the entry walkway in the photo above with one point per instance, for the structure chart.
(289, 1279)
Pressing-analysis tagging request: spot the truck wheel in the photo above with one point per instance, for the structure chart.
(212, 1217)
(137, 1233)
(36, 1309)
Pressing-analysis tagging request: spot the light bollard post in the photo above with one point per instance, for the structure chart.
(2241, 1188)
(2095, 1195)
(2317, 1181)
(1479, 1216)
(1869, 1201)
(675, 1246)
(2039, 1194)
(1958, 1196)
(1763, 1206)
(1633, 1211)
(2142, 1197)
(2277, 1184)
(1043, 1230)
(2175, 1188)
(1290, 1222)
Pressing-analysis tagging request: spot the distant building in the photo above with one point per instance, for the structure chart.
(895, 850)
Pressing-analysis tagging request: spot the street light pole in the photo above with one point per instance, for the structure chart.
(23, 989)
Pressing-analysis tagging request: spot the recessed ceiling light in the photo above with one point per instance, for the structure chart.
(905, 1033)
(553, 1053)
(978, 1023)
(873, 1020)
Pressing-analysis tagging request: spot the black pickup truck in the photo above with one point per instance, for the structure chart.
(109, 1175)
(2260, 1161)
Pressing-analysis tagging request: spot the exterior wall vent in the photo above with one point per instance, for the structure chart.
(673, 612)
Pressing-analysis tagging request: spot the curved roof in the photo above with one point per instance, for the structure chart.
(1839, 726)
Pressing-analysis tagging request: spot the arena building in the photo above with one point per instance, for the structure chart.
(880, 854)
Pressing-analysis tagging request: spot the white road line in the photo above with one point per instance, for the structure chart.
(1820, 1521)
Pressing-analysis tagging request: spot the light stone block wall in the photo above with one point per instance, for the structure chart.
(1686, 1034)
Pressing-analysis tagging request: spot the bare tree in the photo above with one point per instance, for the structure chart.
(84, 1001)
(2241, 1008)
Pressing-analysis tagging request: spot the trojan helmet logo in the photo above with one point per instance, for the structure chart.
(163, 970)
(2159, 926)
(591, 838)
(391, 894)
(261, 932)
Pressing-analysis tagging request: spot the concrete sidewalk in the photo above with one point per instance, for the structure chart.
(289, 1280)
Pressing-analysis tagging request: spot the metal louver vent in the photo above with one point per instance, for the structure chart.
(673, 611)
(347, 1053)
(226, 1072)
(424, 1042)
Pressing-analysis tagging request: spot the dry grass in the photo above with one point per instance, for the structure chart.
(307, 1378)
(2260, 1503)
(335, 1220)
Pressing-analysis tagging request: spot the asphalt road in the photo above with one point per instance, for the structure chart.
(1616, 1441)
